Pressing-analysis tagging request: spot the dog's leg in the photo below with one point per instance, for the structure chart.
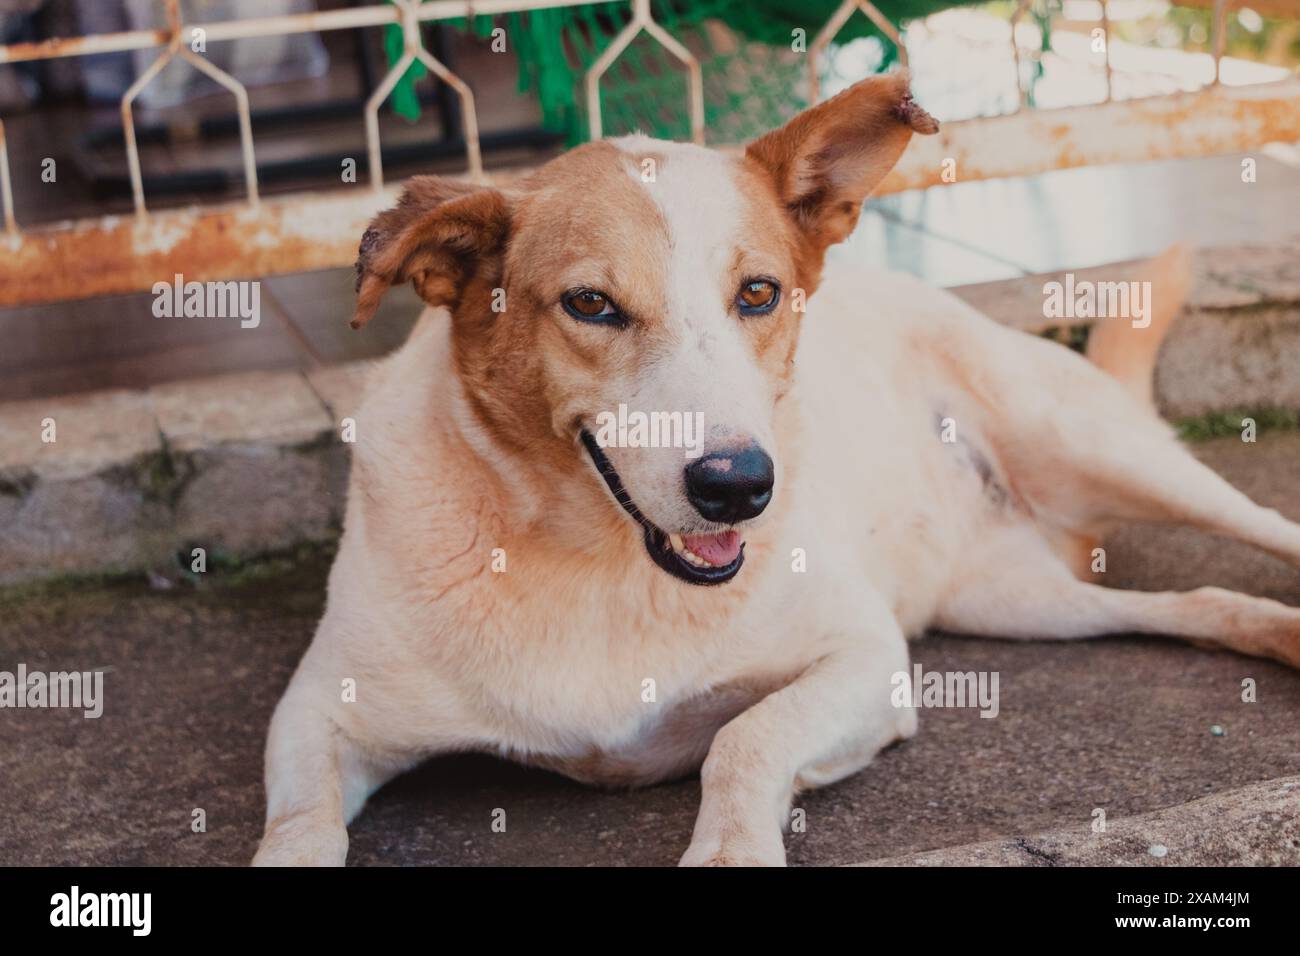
(1093, 462)
(828, 722)
(1167, 484)
(1017, 589)
(316, 781)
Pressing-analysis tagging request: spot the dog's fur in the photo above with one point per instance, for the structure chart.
(468, 442)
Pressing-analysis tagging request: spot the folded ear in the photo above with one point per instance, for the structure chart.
(441, 235)
(829, 158)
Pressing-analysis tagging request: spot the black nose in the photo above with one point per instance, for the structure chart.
(727, 487)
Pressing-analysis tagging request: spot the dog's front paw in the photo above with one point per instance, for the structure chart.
(302, 841)
(738, 850)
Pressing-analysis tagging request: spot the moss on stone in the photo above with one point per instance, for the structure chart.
(1229, 424)
(224, 571)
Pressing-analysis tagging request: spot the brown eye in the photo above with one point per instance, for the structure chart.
(588, 304)
(760, 295)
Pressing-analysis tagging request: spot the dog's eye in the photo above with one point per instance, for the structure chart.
(757, 295)
(590, 306)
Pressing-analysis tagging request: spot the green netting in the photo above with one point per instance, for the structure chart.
(752, 54)
(405, 101)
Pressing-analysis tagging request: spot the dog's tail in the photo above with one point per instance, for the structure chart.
(1128, 350)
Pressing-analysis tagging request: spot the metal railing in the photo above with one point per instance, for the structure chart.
(121, 258)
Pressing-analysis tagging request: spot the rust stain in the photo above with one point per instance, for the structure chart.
(105, 260)
(73, 46)
(1169, 127)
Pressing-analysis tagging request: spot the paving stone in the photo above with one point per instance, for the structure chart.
(87, 502)
(96, 524)
(1219, 360)
(250, 408)
(250, 500)
(1257, 825)
(92, 433)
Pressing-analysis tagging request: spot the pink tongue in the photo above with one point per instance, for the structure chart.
(715, 548)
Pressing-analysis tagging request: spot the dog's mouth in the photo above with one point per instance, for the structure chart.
(693, 558)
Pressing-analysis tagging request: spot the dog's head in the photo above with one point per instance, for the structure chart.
(629, 313)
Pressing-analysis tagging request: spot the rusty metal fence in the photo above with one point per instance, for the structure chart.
(302, 231)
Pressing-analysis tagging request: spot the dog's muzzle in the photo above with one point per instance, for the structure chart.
(696, 559)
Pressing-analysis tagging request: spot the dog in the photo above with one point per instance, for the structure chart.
(875, 458)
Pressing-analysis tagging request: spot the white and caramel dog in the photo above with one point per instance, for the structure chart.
(891, 460)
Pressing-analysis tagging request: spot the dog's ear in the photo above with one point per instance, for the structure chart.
(441, 235)
(829, 158)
